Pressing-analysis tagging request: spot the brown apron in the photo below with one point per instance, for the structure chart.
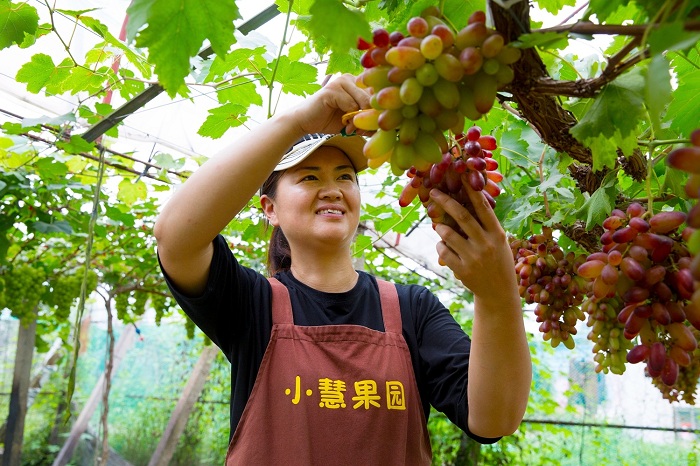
(333, 395)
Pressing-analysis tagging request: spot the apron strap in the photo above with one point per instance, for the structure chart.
(388, 297)
(391, 312)
(281, 304)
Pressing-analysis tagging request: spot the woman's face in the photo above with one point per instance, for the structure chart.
(317, 200)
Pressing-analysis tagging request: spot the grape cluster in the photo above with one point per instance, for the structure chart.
(121, 305)
(610, 347)
(468, 163)
(547, 276)
(25, 292)
(687, 159)
(161, 305)
(64, 289)
(645, 267)
(687, 382)
(426, 83)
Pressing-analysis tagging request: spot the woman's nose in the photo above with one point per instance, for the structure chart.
(330, 192)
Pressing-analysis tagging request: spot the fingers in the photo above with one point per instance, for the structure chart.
(466, 221)
(483, 209)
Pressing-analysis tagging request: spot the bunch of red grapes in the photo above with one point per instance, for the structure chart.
(426, 83)
(644, 268)
(547, 276)
(468, 163)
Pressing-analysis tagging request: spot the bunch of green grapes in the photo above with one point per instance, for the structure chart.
(25, 292)
(161, 305)
(139, 306)
(547, 276)
(610, 347)
(121, 305)
(645, 265)
(65, 289)
(426, 83)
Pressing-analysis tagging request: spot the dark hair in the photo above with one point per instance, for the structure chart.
(279, 255)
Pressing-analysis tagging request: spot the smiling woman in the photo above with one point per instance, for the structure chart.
(318, 343)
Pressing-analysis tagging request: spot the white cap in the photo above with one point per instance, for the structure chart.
(351, 145)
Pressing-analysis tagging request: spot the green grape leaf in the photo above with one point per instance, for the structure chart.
(545, 40)
(555, 6)
(674, 181)
(343, 30)
(60, 226)
(176, 31)
(362, 242)
(298, 51)
(18, 128)
(47, 120)
(524, 212)
(40, 72)
(657, 89)
(684, 109)
(295, 77)
(602, 202)
(223, 118)
(17, 20)
(611, 121)
(242, 59)
(130, 192)
(138, 12)
(300, 8)
(75, 13)
(344, 63)
(137, 60)
(116, 214)
(49, 168)
(242, 93)
(167, 161)
(671, 36)
(603, 8)
(86, 80)
(75, 145)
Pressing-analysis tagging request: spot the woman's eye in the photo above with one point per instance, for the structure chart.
(309, 178)
(347, 176)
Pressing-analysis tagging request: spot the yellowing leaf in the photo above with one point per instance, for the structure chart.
(130, 192)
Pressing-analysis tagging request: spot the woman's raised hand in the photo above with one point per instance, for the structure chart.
(323, 111)
(482, 261)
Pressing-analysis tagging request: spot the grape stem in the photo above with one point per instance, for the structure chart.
(270, 84)
(540, 170)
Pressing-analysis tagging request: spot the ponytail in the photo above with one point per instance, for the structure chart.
(279, 255)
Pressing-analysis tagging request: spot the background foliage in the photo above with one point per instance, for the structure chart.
(77, 215)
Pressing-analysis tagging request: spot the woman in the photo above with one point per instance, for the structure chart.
(330, 364)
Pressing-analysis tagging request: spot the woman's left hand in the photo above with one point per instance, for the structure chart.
(482, 261)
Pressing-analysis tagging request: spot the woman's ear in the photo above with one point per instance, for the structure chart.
(268, 207)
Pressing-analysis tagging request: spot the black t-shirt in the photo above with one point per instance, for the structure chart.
(235, 312)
